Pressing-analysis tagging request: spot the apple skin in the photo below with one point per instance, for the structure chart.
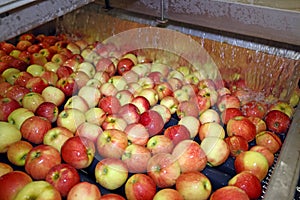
(89, 130)
(160, 144)
(150, 94)
(228, 101)
(229, 193)
(5, 168)
(216, 150)
(112, 196)
(190, 156)
(153, 122)
(191, 123)
(164, 169)
(78, 152)
(259, 123)
(241, 126)
(237, 144)
(8, 135)
(111, 173)
(34, 128)
(168, 193)
(17, 152)
(40, 159)
(38, 190)
(254, 109)
(11, 183)
(37, 84)
(95, 116)
(111, 143)
(211, 129)
(140, 187)
(266, 152)
(136, 158)
(77, 102)
(283, 107)
(209, 115)
(124, 65)
(84, 190)
(193, 185)
(70, 119)
(7, 105)
(277, 121)
(18, 116)
(141, 103)
(68, 85)
(54, 95)
(137, 134)
(177, 133)
(254, 162)
(230, 113)
(16, 92)
(23, 78)
(130, 113)
(109, 104)
(63, 177)
(47, 110)
(187, 108)
(247, 182)
(270, 140)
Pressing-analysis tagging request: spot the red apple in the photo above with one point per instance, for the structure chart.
(130, 113)
(177, 133)
(16, 92)
(228, 101)
(153, 122)
(47, 110)
(253, 162)
(229, 193)
(63, 177)
(270, 140)
(64, 71)
(277, 121)
(187, 108)
(136, 158)
(230, 113)
(241, 126)
(124, 65)
(283, 107)
(40, 159)
(7, 105)
(237, 144)
(137, 134)
(141, 103)
(203, 102)
(192, 124)
(114, 122)
(34, 128)
(11, 183)
(193, 185)
(106, 65)
(68, 85)
(190, 156)
(84, 190)
(23, 78)
(150, 94)
(23, 44)
(109, 104)
(140, 187)
(78, 151)
(168, 193)
(4, 86)
(259, 123)
(163, 89)
(5, 168)
(111, 173)
(164, 112)
(254, 109)
(17, 152)
(111, 143)
(112, 196)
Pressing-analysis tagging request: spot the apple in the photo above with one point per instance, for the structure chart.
(142, 69)
(163, 111)
(247, 182)
(50, 77)
(7, 105)
(70, 119)
(193, 185)
(118, 81)
(86, 190)
(230, 113)
(190, 156)
(34, 128)
(168, 193)
(211, 129)
(130, 113)
(160, 144)
(157, 77)
(111, 143)
(131, 76)
(59, 58)
(259, 123)
(68, 85)
(89, 130)
(4, 86)
(5, 168)
(90, 94)
(73, 47)
(16, 92)
(35, 70)
(181, 95)
(203, 102)
(18, 116)
(150, 94)
(241, 126)
(153, 122)
(10, 74)
(229, 193)
(228, 101)
(277, 121)
(112, 196)
(136, 158)
(109, 104)
(54, 95)
(40, 159)
(47, 110)
(23, 78)
(111, 173)
(164, 169)
(254, 109)
(137, 134)
(140, 187)
(124, 96)
(22, 45)
(57, 136)
(187, 108)
(114, 122)
(211, 93)
(87, 68)
(47, 53)
(108, 89)
(216, 150)
(191, 123)
(38, 190)
(64, 71)
(102, 76)
(266, 152)
(283, 107)
(124, 65)
(209, 115)
(141, 103)
(171, 103)
(177, 133)
(95, 116)
(17, 152)
(253, 162)
(190, 89)
(51, 66)
(63, 177)
(32, 101)
(77, 102)
(78, 151)
(8, 135)
(270, 140)
(237, 144)
(106, 65)
(11, 183)
(146, 82)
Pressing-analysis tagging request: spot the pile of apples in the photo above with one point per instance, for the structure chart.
(139, 128)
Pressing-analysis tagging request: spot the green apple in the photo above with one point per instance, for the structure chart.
(8, 135)
(18, 116)
(10, 75)
(35, 69)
